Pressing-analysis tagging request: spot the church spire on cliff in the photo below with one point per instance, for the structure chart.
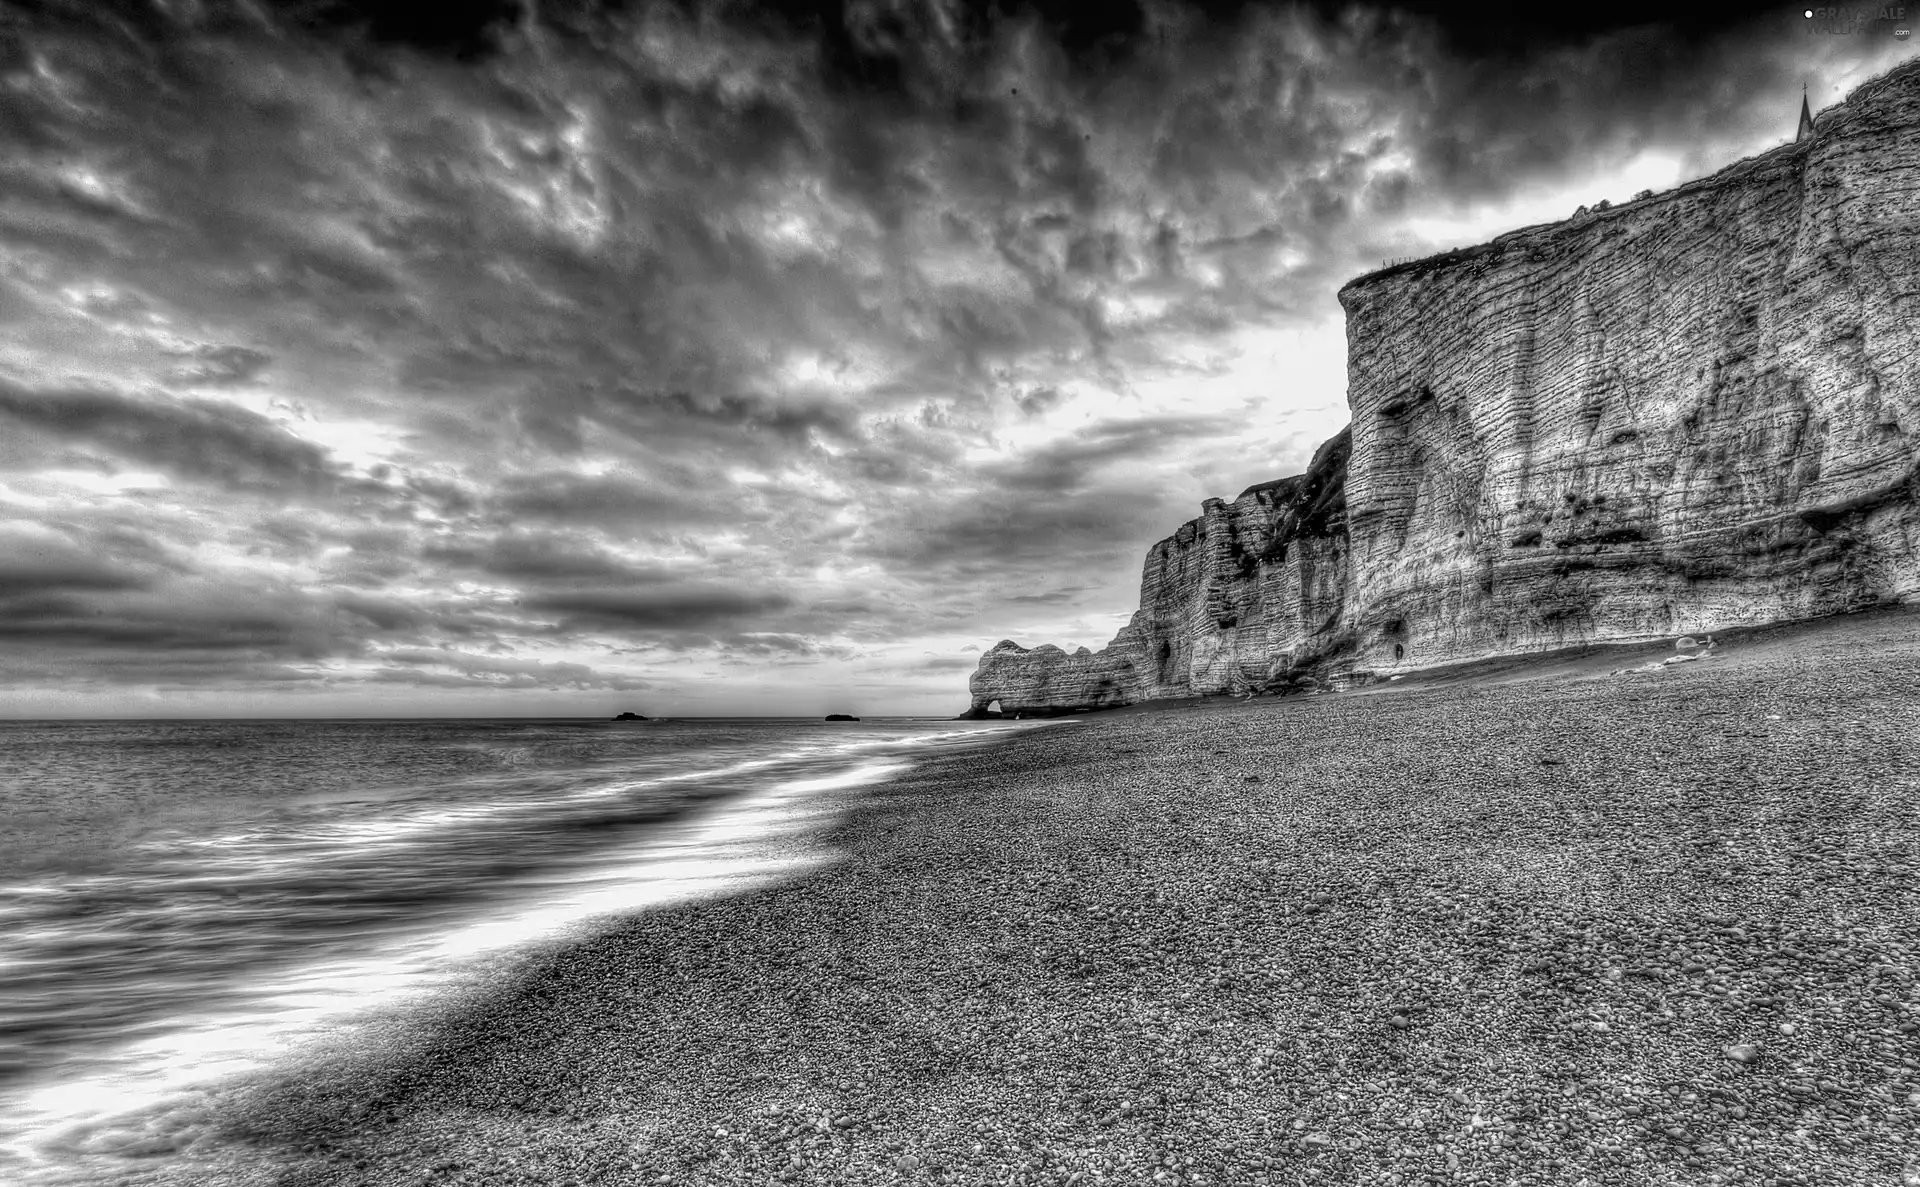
(1806, 117)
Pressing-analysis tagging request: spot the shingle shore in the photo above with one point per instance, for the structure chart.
(1652, 928)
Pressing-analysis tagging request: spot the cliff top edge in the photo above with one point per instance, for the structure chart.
(1907, 72)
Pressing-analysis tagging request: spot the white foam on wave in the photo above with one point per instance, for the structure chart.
(150, 1096)
(278, 851)
(364, 836)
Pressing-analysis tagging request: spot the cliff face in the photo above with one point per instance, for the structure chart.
(1697, 410)
(1243, 596)
(1693, 411)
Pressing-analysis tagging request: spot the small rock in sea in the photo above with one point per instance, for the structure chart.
(1743, 1052)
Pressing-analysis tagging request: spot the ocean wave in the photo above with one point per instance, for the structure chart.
(291, 938)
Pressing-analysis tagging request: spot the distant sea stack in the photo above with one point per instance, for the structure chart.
(630, 717)
(1691, 411)
(841, 717)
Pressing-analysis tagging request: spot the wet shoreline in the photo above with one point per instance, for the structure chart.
(1631, 929)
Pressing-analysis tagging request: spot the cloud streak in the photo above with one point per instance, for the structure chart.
(197, 440)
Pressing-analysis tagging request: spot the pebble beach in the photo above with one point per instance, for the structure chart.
(1640, 927)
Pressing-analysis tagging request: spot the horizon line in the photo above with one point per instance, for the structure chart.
(674, 717)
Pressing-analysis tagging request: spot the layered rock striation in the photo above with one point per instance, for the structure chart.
(1249, 594)
(1692, 411)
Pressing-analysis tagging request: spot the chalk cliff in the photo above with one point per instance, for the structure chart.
(1236, 598)
(1692, 411)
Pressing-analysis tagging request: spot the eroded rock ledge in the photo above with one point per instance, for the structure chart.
(1690, 412)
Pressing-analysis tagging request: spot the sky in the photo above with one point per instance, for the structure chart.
(528, 358)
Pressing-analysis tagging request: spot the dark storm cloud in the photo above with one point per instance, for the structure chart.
(387, 615)
(466, 31)
(221, 366)
(1055, 597)
(575, 498)
(371, 571)
(168, 671)
(994, 541)
(1089, 502)
(199, 440)
(1068, 466)
(751, 412)
(1251, 119)
(942, 664)
(35, 565)
(775, 643)
(564, 557)
(768, 647)
(285, 535)
(1635, 88)
(1038, 400)
(394, 619)
(655, 609)
(119, 594)
(416, 667)
(142, 544)
(922, 452)
(449, 498)
(174, 620)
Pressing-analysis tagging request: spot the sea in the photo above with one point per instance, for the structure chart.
(189, 906)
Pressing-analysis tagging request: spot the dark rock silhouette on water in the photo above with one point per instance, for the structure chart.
(630, 717)
(841, 717)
